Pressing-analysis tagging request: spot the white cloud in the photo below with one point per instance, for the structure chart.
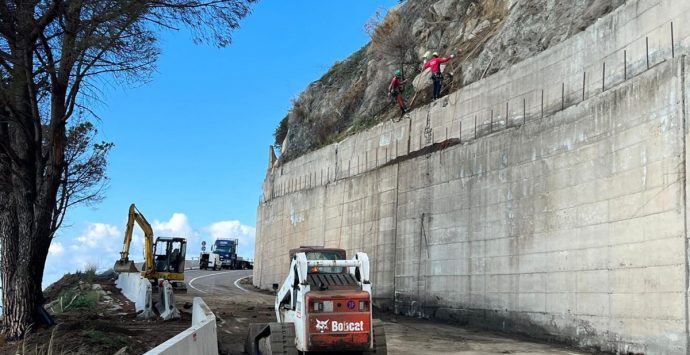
(177, 226)
(98, 235)
(56, 249)
(98, 244)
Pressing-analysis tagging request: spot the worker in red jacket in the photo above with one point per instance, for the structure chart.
(436, 75)
(395, 90)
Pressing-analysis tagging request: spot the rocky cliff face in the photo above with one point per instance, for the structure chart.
(484, 35)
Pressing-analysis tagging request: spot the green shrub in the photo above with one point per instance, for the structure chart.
(72, 298)
(281, 132)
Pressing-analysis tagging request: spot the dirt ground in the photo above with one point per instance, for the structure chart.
(104, 326)
(235, 313)
(405, 335)
(112, 325)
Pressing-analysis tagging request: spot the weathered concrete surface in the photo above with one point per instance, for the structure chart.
(569, 227)
(572, 226)
(355, 214)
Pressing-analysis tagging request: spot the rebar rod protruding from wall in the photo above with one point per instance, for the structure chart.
(673, 44)
(460, 132)
(646, 40)
(475, 126)
(524, 110)
(507, 114)
(542, 103)
(491, 122)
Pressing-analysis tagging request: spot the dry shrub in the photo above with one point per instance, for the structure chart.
(493, 9)
(325, 129)
(300, 107)
(373, 22)
(392, 40)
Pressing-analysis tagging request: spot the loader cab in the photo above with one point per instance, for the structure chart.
(169, 254)
(327, 278)
(321, 253)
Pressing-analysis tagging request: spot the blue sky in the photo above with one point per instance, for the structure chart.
(191, 145)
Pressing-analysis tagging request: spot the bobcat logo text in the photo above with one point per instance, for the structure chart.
(336, 326)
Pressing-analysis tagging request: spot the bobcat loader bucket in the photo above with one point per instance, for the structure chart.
(125, 266)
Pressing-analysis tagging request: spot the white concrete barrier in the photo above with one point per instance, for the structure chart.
(200, 339)
(166, 305)
(128, 283)
(138, 290)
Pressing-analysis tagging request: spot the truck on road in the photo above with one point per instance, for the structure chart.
(226, 248)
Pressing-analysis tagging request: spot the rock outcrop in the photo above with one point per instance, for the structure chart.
(485, 36)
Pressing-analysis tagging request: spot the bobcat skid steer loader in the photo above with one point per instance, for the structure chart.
(324, 305)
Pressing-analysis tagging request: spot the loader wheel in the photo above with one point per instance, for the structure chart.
(379, 338)
(281, 341)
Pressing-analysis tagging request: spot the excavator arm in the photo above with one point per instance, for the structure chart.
(124, 264)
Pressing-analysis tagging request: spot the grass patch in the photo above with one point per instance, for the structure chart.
(103, 340)
(72, 298)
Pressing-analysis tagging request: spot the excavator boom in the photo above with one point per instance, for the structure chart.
(124, 264)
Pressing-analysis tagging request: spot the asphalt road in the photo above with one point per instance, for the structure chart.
(235, 307)
(209, 282)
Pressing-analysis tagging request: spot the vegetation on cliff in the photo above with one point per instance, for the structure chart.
(485, 36)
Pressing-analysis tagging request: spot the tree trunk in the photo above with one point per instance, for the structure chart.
(8, 252)
(22, 258)
(24, 219)
(22, 294)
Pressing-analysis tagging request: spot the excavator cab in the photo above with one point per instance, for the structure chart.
(169, 254)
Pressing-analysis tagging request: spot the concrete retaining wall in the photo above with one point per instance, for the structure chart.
(200, 339)
(562, 213)
(357, 214)
(573, 227)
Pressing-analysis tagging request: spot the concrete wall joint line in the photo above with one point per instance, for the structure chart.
(684, 161)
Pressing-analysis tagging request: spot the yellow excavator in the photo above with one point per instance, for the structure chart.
(163, 260)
